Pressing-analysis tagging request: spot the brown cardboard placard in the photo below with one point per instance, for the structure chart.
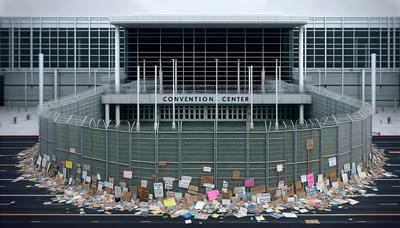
(162, 164)
(226, 195)
(257, 189)
(126, 196)
(193, 189)
(143, 194)
(236, 175)
(310, 144)
(206, 180)
(290, 191)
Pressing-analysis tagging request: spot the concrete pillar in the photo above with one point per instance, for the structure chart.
(363, 86)
(107, 112)
(137, 99)
(117, 68)
(55, 84)
(373, 82)
(117, 114)
(301, 73)
(40, 81)
(117, 60)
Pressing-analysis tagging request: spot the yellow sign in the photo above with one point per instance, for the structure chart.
(68, 164)
(170, 202)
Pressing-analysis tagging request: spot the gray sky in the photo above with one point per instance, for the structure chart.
(131, 7)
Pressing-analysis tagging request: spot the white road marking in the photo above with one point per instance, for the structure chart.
(6, 179)
(383, 195)
(388, 204)
(3, 170)
(396, 186)
(387, 179)
(7, 155)
(394, 152)
(2, 186)
(393, 164)
(22, 195)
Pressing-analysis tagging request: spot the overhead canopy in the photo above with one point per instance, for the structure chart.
(254, 21)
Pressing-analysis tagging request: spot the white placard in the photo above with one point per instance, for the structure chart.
(98, 176)
(225, 184)
(100, 186)
(320, 178)
(178, 195)
(143, 183)
(207, 169)
(39, 160)
(84, 174)
(345, 178)
(108, 184)
(186, 178)
(72, 150)
(158, 190)
(128, 174)
(346, 167)
(183, 184)
(279, 168)
(88, 179)
(332, 161)
(226, 202)
(303, 178)
(118, 191)
(210, 186)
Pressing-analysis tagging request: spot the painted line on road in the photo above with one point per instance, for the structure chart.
(7, 165)
(387, 179)
(6, 179)
(8, 155)
(2, 186)
(388, 204)
(394, 152)
(22, 195)
(3, 170)
(393, 164)
(396, 186)
(382, 195)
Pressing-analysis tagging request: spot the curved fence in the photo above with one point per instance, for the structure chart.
(72, 130)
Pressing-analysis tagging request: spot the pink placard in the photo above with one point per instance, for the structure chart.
(310, 179)
(127, 174)
(212, 194)
(249, 182)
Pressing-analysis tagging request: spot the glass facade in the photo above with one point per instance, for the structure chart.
(89, 42)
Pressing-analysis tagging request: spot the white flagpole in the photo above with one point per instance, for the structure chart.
(137, 99)
(173, 94)
(276, 95)
(251, 98)
(216, 90)
(155, 98)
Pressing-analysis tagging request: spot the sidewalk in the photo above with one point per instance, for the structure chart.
(22, 126)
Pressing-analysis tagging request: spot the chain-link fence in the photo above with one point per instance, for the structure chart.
(72, 129)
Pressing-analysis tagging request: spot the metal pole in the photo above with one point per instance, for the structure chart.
(25, 91)
(40, 82)
(144, 75)
(238, 76)
(263, 80)
(319, 79)
(55, 84)
(363, 86)
(216, 90)
(155, 98)
(173, 94)
(251, 98)
(373, 82)
(276, 95)
(117, 59)
(95, 80)
(301, 76)
(137, 99)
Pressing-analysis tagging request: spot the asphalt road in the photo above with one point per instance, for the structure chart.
(22, 205)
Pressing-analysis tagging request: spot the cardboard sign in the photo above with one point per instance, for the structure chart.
(108, 184)
(236, 175)
(193, 189)
(143, 183)
(169, 202)
(158, 190)
(310, 179)
(249, 182)
(303, 178)
(72, 150)
(126, 196)
(332, 161)
(264, 198)
(332, 175)
(206, 180)
(345, 178)
(98, 176)
(68, 164)
(162, 164)
(86, 167)
(310, 144)
(127, 174)
(207, 169)
(257, 189)
(143, 194)
(212, 195)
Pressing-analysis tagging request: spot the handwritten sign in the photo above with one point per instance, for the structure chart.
(127, 174)
(310, 179)
(169, 202)
(207, 169)
(249, 182)
(158, 190)
(332, 161)
(68, 164)
(279, 168)
(236, 175)
(212, 195)
(309, 144)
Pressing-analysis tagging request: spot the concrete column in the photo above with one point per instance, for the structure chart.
(373, 82)
(40, 81)
(363, 86)
(117, 114)
(117, 68)
(55, 84)
(117, 60)
(263, 80)
(301, 73)
(137, 99)
(107, 112)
